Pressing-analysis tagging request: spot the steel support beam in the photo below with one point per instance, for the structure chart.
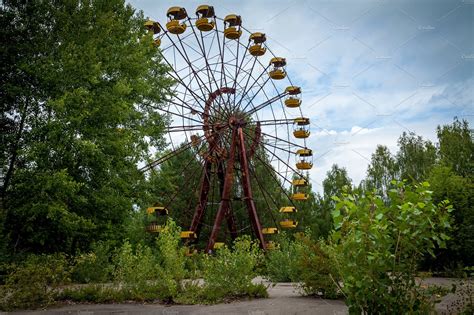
(224, 205)
(231, 222)
(257, 228)
(203, 196)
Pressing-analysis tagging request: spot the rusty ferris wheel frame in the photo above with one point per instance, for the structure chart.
(240, 103)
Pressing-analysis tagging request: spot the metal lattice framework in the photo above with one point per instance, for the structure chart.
(232, 97)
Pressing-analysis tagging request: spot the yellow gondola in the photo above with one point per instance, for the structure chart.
(232, 23)
(157, 210)
(204, 12)
(293, 100)
(299, 182)
(288, 209)
(256, 48)
(278, 68)
(154, 228)
(299, 196)
(188, 234)
(153, 27)
(301, 130)
(175, 14)
(271, 230)
(303, 165)
(304, 162)
(288, 224)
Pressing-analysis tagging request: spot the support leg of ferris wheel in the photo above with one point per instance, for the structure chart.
(252, 210)
(231, 222)
(224, 205)
(203, 197)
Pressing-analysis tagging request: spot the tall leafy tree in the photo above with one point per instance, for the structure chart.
(381, 171)
(415, 158)
(81, 106)
(447, 185)
(456, 147)
(335, 181)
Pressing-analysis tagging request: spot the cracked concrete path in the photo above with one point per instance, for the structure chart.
(283, 299)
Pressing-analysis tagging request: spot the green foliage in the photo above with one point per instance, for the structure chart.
(109, 294)
(447, 185)
(336, 180)
(383, 243)
(93, 267)
(382, 170)
(317, 272)
(80, 109)
(456, 147)
(172, 260)
(415, 158)
(282, 263)
(31, 284)
(169, 182)
(230, 272)
(302, 260)
(133, 267)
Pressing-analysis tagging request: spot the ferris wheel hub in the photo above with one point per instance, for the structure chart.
(237, 121)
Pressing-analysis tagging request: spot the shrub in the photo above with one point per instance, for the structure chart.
(31, 284)
(230, 272)
(317, 273)
(282, 263)
(98, 293)
(134, 267)
(377, 245)
(172, 260)
(93, 267)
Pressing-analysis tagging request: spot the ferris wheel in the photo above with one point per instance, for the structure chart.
(235, 107)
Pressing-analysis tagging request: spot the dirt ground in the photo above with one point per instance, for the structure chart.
(284, 299)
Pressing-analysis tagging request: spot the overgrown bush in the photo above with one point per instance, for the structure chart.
(316, 270)
(93, 267)
(133, 267)
(172, 260)
(100, 293)
(377, 245)
(32, 284)
(229, 273)
(282, 263)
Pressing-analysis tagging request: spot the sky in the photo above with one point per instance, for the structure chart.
(369, 70)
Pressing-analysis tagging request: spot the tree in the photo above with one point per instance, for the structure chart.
(381, 171)
(447, 185)
(415, 157)
(80, 123)
(335, 182)
(456, 147)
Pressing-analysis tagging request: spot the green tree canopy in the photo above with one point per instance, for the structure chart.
(456, 147)
(81, 97)
(381, 171)
(336, 179)
(415, 157)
